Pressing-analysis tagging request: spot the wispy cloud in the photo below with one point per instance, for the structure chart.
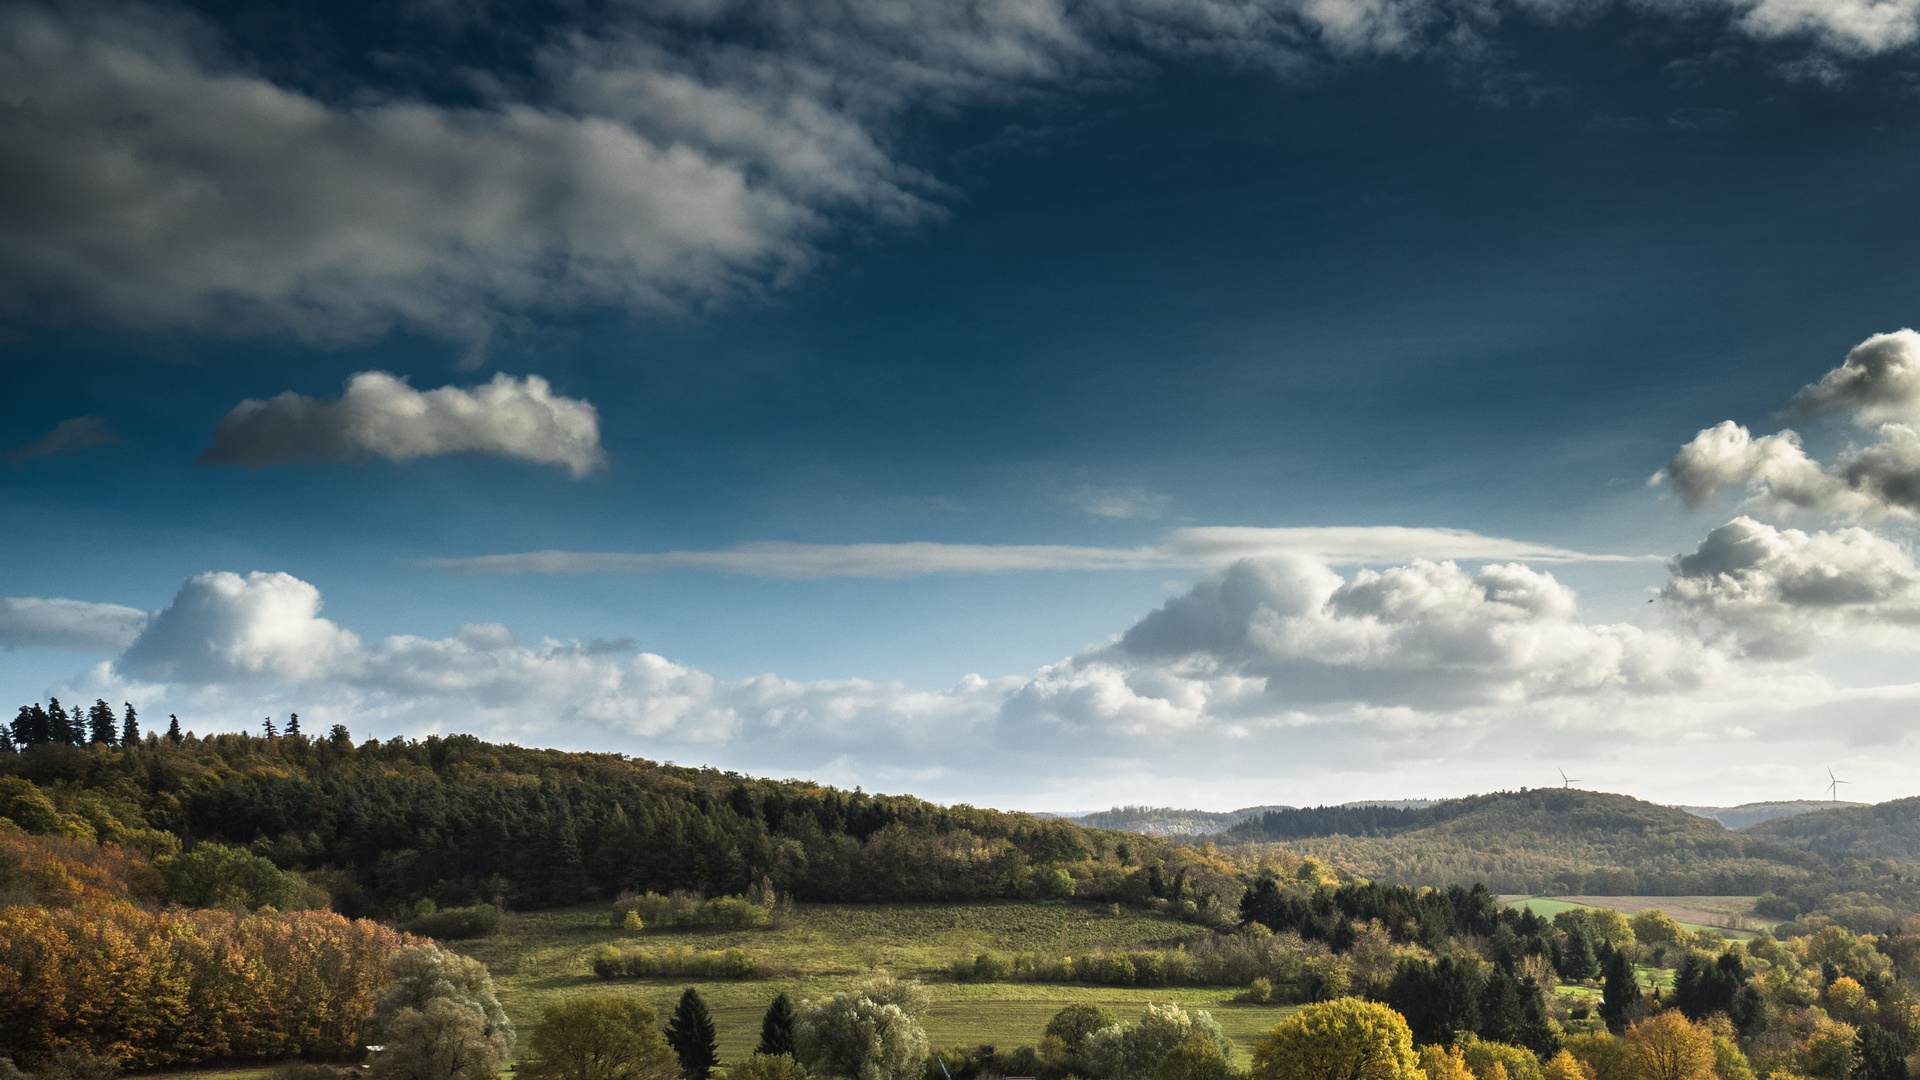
(35, 622)
(658, 157)
(1129, 502)
(1185, 549)
(75, 434)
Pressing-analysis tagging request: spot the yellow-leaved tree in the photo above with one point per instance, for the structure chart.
(1344, 1039)
(1670, 1047)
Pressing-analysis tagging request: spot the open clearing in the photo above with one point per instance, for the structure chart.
(543, 957)
(1730, 915)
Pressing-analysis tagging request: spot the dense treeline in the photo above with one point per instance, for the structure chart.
(157, 988)
(463, 822)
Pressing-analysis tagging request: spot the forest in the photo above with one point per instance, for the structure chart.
(170, 899)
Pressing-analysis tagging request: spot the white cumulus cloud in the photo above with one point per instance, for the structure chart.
(225, 628)
(1878, 386)
(380, 416)
(1782, 592)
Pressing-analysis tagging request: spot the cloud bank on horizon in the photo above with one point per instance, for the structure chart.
(647, 161)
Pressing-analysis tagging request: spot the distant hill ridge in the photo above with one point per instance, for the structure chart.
(1170, 821)
(1753, 813)
(1888, 830)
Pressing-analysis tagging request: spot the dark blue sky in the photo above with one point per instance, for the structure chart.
(1488, 287)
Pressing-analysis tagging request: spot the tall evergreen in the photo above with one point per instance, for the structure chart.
(60, 727)
(776, 1028)
(101, 727)
(1536, 1029)
(1620, 988)
(1881, 1055)
(293, 724)
(267, 728)
(173, 729)
(130, 728)
(690, 1033)
(1577, 959)
(1500, 1008)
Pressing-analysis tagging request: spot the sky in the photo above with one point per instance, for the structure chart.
(1039, 405)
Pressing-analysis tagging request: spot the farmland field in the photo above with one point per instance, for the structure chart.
(1729, 915)
(543, 957)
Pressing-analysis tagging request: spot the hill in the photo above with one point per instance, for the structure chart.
(1753, 813)
(1888, 830)
(1168, 821)
(1544, 840)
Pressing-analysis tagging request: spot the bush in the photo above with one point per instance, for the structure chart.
(612, 962)
(768, 1067)
(455, 924)
(690, 910)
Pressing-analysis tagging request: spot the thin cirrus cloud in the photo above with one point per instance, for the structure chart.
(380, 417)
(77, 433)
(1877, 387)
(34, 622)
(654, 159)
(1188, 548)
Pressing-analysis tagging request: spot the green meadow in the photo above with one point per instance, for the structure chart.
(543, 957)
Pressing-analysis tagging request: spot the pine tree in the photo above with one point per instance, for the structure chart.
(130, 727)
(776, 1028)
(100, 723)
(1536, 1029)
(293, 724)
(173, 729)
(691, 1035)
(1500, 1008)
(1620, 988)
(267, 726)
(60, 728)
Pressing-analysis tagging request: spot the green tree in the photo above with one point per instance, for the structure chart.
(1135, 1051)
(1620, 988)
(1881, 1056)
(1500, 1008)
(215, 875)
(130, 727)
(690, 1033)
(1196, 1059)
(871, 1032)
(1347, 1039)
(599, 1038)
(446, 1040)
(427, 973)
(1833, 1050)
(776, 1029)
(173, 730)
(1074, 1023)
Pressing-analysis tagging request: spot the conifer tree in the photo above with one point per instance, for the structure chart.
(173, 729)
(776, 1028)
(267, 727)
(60, 728)
(293, 724)
(1500, 1008)
(100, 723)
(691, 1035)
(1536, 1029)
(130, 727)
(1620, 990)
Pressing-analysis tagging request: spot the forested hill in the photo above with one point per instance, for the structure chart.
(1168, 821)
(1536, 841)
(1888, 830)
(462, 821)
(1753, 813)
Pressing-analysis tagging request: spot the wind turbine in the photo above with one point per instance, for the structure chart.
(1833, 786)
(1564, 782)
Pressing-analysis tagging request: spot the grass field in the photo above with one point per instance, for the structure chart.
(1693, 912)
(543, 957)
